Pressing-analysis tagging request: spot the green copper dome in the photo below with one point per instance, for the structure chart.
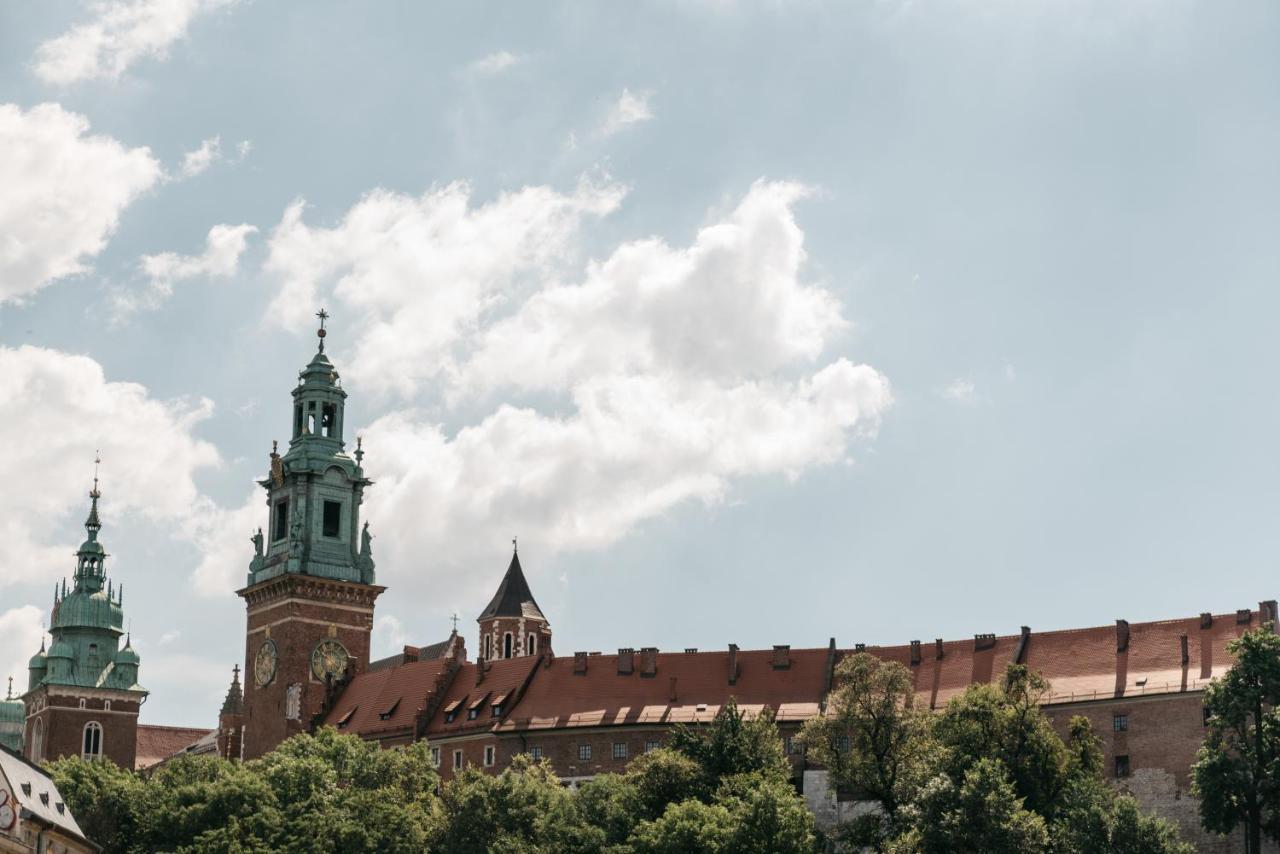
(11, 711)
(82, 609)
(127, 655)
(62, 649)
(38, 661)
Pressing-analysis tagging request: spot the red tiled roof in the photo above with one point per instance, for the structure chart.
(157, 743)
(559, 698)
(1082, 664)
(398, 692)
(502, 678)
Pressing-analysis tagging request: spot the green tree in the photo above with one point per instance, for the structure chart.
(664, 776)
(981, 814)
(1236, 775)
(483, 812)
(107, 801)
(873, 740)
(733, 743)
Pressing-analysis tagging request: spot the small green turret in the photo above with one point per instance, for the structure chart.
(12, 719)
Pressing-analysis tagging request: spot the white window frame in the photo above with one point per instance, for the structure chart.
(584, 753)
(86, 753)
(508, 645)
(490, 755)
(620, 750)
(457, 760)
(531, 648)
(435, 757)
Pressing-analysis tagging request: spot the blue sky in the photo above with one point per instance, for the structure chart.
(756, 322)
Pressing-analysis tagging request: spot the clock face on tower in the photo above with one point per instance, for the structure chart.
(264, 663)
(329, 658)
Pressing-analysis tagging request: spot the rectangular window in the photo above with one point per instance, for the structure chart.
(789, 745)
(457, 760)
(472, 714)
(1120, 723)
(435, 757)
(1122, 766)
(619, 750)
(332, 519)
(651, 745)
(842, 744)
(584, 752)
(489, 755)
(535, 752)
(281, 528)
(1205, 715)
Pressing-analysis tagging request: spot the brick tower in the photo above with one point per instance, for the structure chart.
(310, 591)
(512, 625)
(83, 695)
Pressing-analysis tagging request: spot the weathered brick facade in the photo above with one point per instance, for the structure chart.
(56, 723)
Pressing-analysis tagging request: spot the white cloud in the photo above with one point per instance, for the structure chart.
(221, 258)
(493, 64)
(389, 636)
(416, 275)
(119, 34)
(59, 410)
(630, 108)
(195, 162)
(960, 390)
(224, 536)
(20, 631)
(242, 149)
(1010, 372)
(667, 376)
(64, 191)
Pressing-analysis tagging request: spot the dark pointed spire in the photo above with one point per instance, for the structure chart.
(234, 703)
(514, 598)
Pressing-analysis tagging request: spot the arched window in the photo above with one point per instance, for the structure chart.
(532, 647)
(92, 741)
(106, 705)
(488, 647)
(37, 741)
(506, 645)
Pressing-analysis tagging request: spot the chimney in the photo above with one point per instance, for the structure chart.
(859, 647)
(1267, 612)
(1020, 654)
(733, 664)
(937, 649)
(648, 661)
(579, 663)
(1206, 620)
(673, 689)
(915, 653)
(626, 661)
(1122, 635)
(781, 656)
(481, 667)
(1186, 652)
(1243, 617)
(983, 641)
(411, 654)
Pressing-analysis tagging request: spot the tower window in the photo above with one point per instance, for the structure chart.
(93, 657)
(329, 420)
(506, 645)
(532, 648)
(92, 740)
(311, 418)
(332, 518)
(488, 646)
(297, 421)
(280, 529)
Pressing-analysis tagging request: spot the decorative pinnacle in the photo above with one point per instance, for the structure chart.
(359, 455)
(455, 623)
(97, 461)
(320, 333)
(9, 696)
(515, 546)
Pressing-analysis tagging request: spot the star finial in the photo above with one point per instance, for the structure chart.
(97, 461)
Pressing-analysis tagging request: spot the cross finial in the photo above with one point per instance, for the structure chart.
(9, 696)
(515, 546)
(235, 673)
(455, 623)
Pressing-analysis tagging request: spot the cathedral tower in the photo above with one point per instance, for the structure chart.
(512, 625)
(310, 590)
(83, 694)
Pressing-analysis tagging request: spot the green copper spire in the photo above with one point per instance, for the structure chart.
(315, 489)
(87, 622)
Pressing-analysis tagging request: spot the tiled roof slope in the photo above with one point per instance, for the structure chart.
(558, 697)
(390, 698)
(1083, 664)
(503, 684)
(31, 788)
(412, 653)
(157, 743)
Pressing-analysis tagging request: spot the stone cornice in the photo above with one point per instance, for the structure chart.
(312, 588)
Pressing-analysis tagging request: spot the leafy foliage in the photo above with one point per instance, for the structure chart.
(1236, 776)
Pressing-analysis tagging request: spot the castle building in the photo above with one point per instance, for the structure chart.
(310, 596)
(83, 694)
(11, 717)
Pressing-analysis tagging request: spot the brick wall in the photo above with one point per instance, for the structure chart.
(64, 723)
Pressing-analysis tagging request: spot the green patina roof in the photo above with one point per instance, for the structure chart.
(86, 624)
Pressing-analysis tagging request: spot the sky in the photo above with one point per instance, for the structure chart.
(757, 323)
